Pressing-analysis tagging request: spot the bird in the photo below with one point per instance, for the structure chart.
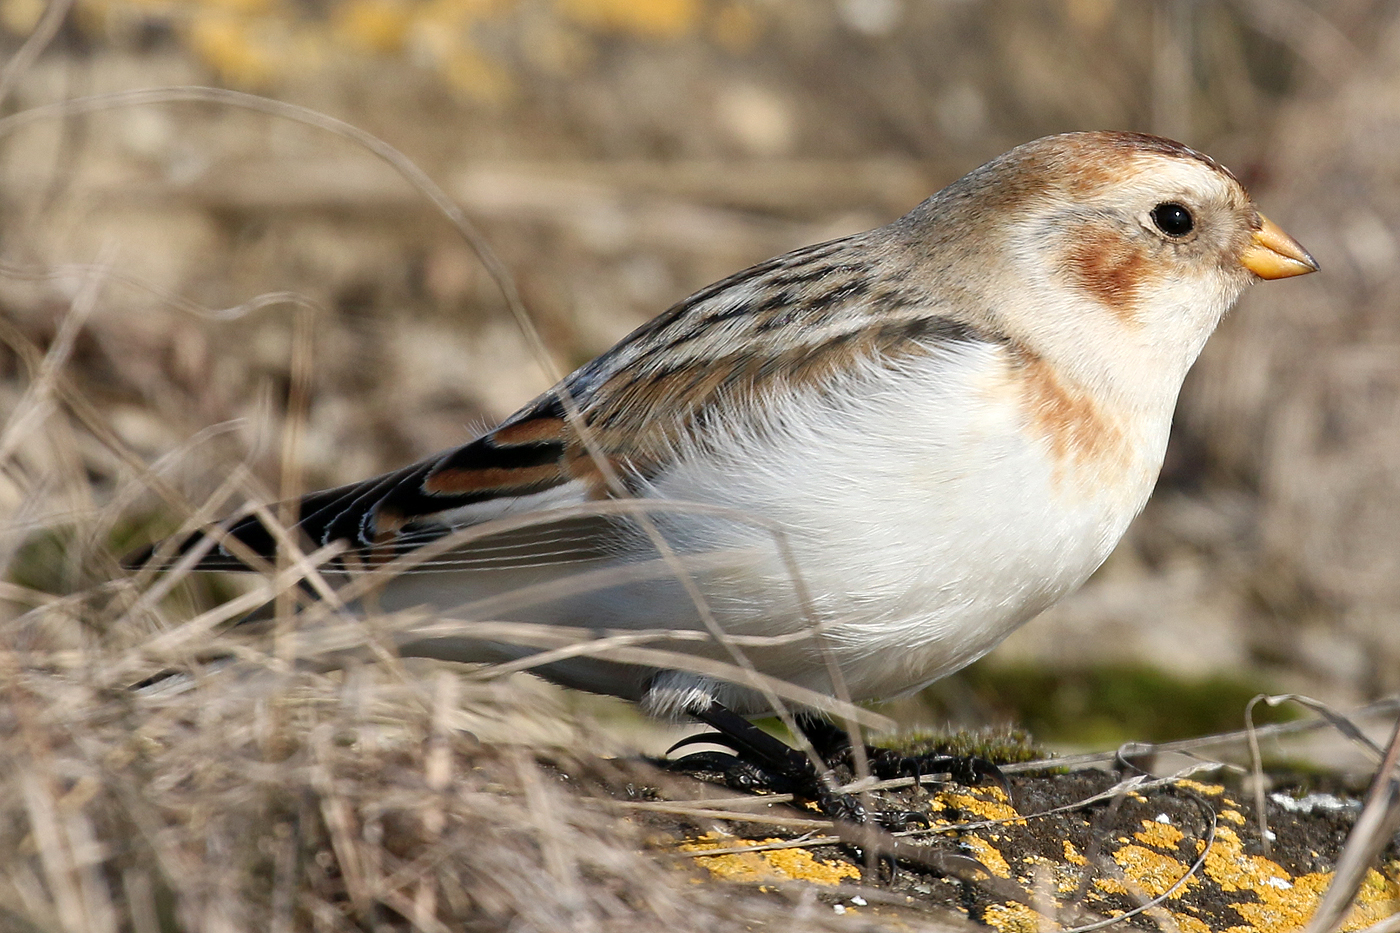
(854, 468)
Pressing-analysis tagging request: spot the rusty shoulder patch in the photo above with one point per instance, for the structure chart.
(1074, 424)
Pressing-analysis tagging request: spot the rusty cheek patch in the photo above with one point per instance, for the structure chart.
(1077, 429)
(1110, 267)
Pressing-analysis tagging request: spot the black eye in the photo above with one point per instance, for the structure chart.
(1172, 219)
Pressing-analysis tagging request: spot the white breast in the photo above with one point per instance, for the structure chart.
(928, 516)
(930, 510)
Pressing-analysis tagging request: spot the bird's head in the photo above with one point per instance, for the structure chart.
(1113, 254)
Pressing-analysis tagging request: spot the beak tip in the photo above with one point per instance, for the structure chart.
(1274, 254)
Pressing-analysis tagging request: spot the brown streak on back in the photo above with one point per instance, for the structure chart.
(638, 401)
(581, 466)
(639, 421)
(530, 431)
(460, 482)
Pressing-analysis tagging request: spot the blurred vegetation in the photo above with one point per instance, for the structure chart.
(619, 154)
(471, 45)
(999, 746)
(1105, 706)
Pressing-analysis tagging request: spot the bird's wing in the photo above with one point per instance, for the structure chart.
(796, 322)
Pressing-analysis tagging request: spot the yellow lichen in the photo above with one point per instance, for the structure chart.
(1111, 885)
(1188, 924)
(1271, 900)
(1266, 897)
(1213, 790)
(1228, 866)
(802, 865)
(1152, 871)
(794, 864)
(995, 808)
(987, 854)
(1378, 899)
(652, 19)
(1161, 835)
(1016, 918)
(1283, 902)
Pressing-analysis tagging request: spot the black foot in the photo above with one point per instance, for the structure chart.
(963, 769)
(737, 774)
(833, 744)
(762, 762)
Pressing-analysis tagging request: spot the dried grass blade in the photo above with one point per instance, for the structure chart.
(1374, 828)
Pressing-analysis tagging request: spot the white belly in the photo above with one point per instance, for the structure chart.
(927, 520)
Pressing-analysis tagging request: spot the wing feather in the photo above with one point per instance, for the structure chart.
(795, 323)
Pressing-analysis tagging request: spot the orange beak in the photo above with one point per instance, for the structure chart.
(1273, 254)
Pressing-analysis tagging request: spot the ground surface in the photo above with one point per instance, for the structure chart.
(1073, 848)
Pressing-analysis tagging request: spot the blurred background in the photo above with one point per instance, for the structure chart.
(619, 154)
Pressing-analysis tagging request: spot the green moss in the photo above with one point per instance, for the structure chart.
(999, 746)
(1106, 705)
(60, 561)
(44, 561)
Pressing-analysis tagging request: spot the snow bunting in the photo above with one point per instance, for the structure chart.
(874, 457)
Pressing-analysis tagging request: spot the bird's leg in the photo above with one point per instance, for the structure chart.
(833, 744)
(968, 770)
(766, 763)
(763, 761)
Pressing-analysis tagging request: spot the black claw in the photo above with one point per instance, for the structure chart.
(705, 738)
(697, 762)
(995, 773)
(752, 742)
(972, 771)
(738, 774)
